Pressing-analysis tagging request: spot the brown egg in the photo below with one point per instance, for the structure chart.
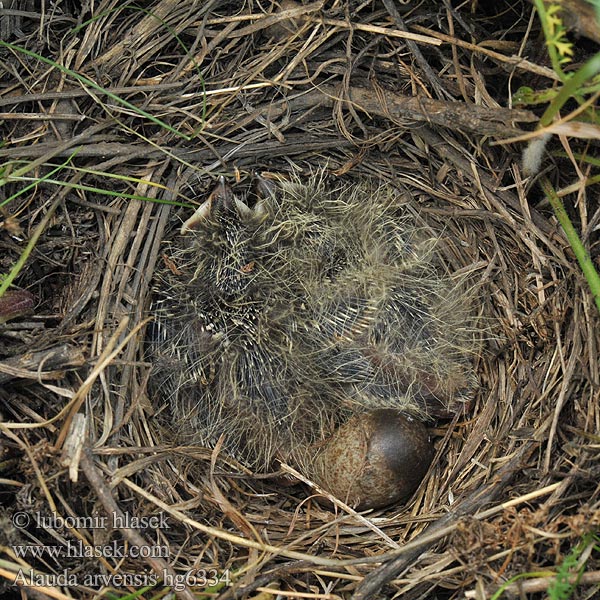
(375, 459)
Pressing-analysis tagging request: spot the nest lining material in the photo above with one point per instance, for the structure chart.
(512, 488)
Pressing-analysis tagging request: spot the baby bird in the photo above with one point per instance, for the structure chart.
(312, 324)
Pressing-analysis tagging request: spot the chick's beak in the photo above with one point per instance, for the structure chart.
(221, 198)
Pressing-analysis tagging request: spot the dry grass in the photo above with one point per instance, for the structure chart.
(253, 86)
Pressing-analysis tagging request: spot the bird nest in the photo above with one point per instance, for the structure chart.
(116, 122)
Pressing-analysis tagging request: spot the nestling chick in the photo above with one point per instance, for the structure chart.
(302, 320)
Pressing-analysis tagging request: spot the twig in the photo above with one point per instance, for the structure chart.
(96, 147)
(457, 116)
(433, 79)
(158, 565)
(48, 364)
